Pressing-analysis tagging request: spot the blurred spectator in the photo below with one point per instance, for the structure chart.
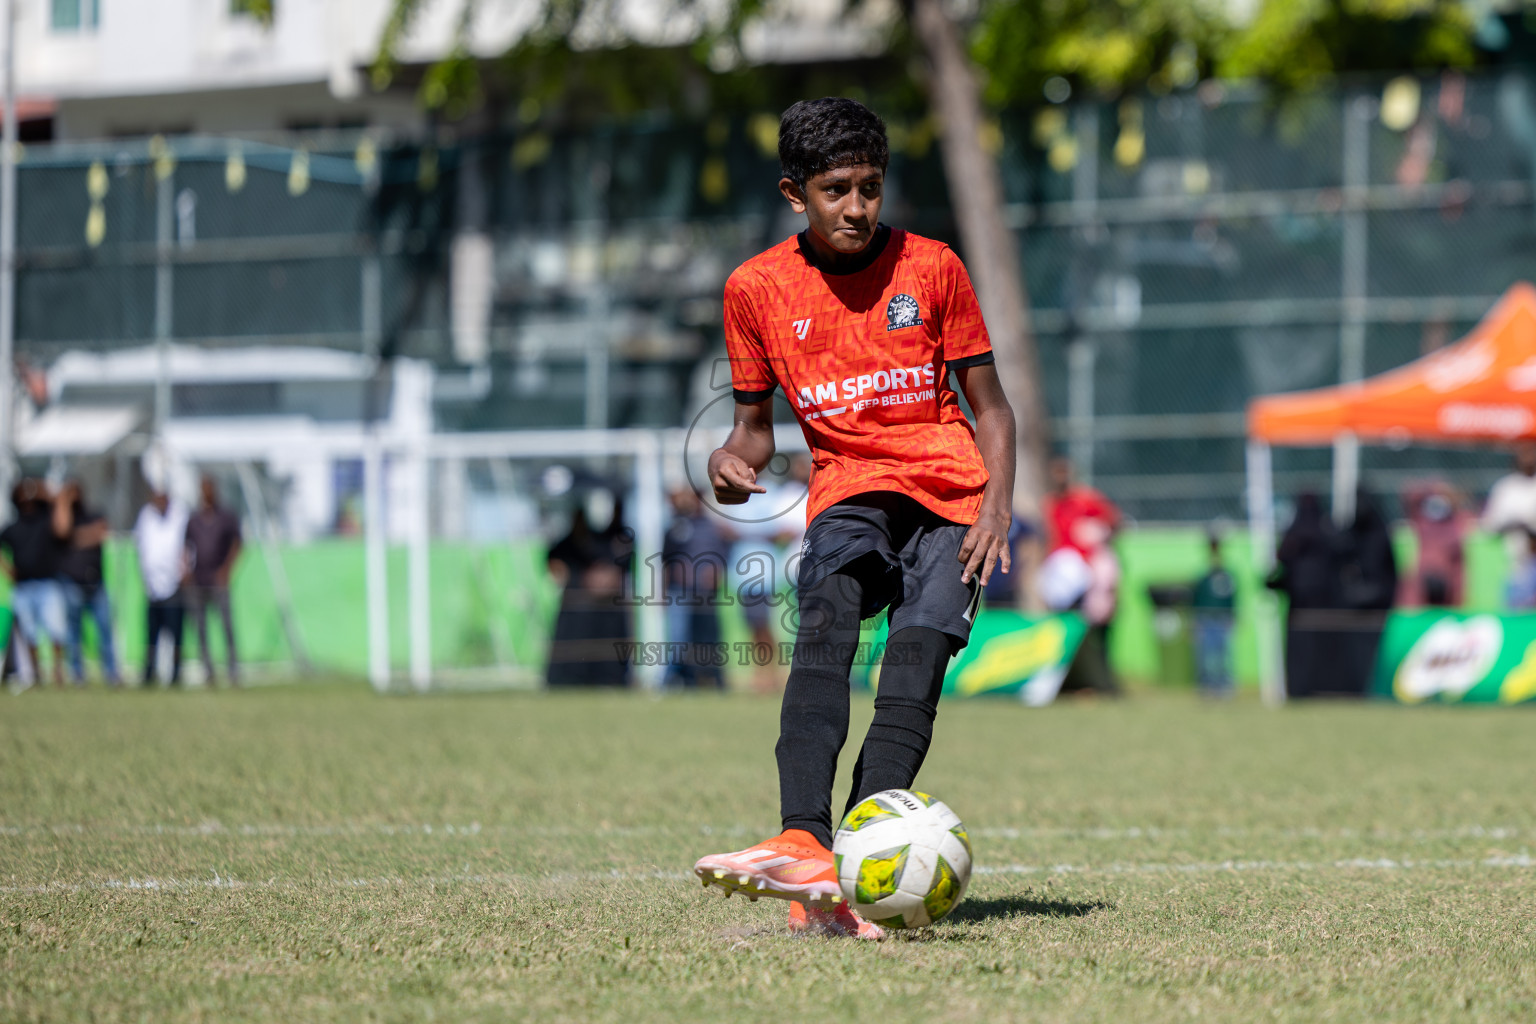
(213, 546)
(1212, 602)
(593, 620)
(1368, 577)
(801, 469)
(160, 534)
(1368, 570)
(1520, 592)
(617, 540)
(1511, 508)
(1011, 589)
(1080, 572)
(1439, 521)
(759, 564)
(84, 585)
(1307, 573)
(36, 543)
(693, 559)
(1089, 567)
(1071, 507)
(349, 519)
(1063, 580)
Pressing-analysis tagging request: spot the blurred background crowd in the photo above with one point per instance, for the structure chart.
(51, 553)
(422, 300)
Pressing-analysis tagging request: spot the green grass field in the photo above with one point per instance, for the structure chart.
(320, 853)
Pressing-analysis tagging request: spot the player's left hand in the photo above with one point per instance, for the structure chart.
(985, 546)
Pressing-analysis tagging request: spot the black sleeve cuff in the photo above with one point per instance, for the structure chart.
(753, 397)
(982, 359)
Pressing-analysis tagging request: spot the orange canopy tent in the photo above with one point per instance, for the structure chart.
(1482, 388)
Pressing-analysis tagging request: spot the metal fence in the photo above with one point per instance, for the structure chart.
(1183, 253)
(1191, 252)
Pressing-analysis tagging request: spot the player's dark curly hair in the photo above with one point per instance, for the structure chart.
(817, 135)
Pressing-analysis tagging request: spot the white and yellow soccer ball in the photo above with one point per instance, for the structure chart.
(903, 859)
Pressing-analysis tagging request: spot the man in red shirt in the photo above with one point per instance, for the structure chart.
(909, 506)
(1069, 505)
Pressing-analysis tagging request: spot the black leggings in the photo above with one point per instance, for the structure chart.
(813, 724)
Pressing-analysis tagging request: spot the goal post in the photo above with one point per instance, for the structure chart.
(449, 586)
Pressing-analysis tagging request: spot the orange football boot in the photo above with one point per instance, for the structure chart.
(790, 866)
(844, 922)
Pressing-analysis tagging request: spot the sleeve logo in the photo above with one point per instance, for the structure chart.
(901, 312)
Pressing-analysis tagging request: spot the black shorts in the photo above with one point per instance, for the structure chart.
(908, 561)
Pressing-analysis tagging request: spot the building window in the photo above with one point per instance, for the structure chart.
(260, 10)
(76, 15)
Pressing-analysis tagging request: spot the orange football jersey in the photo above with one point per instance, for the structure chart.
(863, 359)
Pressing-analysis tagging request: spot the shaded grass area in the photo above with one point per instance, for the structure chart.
(321, 853)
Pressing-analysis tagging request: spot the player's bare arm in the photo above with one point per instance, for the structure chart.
(733, 467)
(986, 543)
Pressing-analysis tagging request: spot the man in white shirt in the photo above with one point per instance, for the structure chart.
(1511, 508)
(161, 537)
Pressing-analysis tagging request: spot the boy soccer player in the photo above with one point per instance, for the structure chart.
(909, 505)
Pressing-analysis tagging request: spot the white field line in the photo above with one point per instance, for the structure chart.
(379, 882)
(1522, 861)
(1220, 831)
(215, 829)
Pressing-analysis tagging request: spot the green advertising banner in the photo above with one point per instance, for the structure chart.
(1457, 658)
(1013, 653)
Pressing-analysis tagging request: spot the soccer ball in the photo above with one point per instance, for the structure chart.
(903, 859)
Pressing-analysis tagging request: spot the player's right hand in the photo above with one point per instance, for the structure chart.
(733, 480)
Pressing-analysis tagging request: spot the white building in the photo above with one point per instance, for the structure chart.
(143, 67)
(296, 413)
(139, 67)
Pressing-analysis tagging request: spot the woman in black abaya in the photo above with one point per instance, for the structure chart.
(1368, 585)
(592, 628)
(1308, 576)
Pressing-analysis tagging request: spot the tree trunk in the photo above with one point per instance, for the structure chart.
(992, 254)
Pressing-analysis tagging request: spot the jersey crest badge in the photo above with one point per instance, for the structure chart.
(901, 312)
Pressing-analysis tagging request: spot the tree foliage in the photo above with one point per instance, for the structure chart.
(574, 58)
(1295, 44)
(1103, 46)
(1111, 46)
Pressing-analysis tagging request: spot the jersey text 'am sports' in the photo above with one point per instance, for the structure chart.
(863, 359)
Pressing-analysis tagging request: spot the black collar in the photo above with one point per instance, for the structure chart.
(863, 261)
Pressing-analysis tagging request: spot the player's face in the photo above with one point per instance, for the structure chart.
(842, 205)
